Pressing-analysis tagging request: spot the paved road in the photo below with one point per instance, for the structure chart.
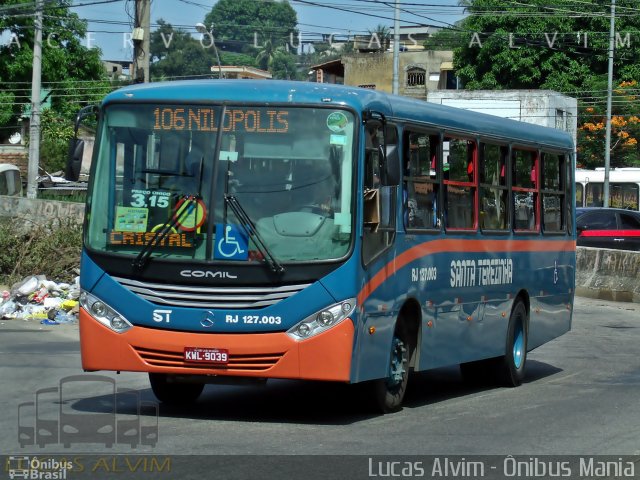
(581, 396)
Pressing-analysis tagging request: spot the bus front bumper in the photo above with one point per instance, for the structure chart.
(326, 356)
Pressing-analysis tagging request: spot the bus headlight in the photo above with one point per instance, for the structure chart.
(103, 313)
(322, 320)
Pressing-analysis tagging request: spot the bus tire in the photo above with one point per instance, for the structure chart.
(512, 364)
(174, 393)
(389, 392)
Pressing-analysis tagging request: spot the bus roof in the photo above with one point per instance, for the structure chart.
(616, 175)
(284, 92)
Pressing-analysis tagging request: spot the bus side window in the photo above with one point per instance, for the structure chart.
(493, 187)
(595, 195)
(459, 183)
(524, 186)
(553, 192)
(420, 187)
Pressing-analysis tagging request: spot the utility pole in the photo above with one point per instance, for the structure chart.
(607, 140)
(396, 48)
(34, 121)
(142, 42)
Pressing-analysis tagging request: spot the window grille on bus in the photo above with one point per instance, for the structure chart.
(210, 297)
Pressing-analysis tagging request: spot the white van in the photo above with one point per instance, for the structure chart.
(10, 181)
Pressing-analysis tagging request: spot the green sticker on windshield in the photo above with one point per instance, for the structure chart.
(337, 121)
(131, 219)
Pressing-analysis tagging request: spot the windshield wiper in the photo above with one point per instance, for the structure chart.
(190, 202)
(249, 227)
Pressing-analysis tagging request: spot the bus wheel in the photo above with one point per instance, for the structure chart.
(174, 393)
(389, 392)
(511, 368)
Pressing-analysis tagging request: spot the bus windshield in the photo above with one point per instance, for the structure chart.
(164, 175)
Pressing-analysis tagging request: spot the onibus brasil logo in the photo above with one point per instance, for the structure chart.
(87, 409)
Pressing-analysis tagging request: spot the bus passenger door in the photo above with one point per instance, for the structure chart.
(380, 197)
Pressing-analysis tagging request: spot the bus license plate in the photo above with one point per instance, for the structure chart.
(215, 356)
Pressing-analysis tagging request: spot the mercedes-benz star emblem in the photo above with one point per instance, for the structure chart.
(207, 320)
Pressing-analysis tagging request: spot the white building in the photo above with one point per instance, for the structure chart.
(540, 107)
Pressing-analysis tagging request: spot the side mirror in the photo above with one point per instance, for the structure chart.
(76, 146)
(74, 162)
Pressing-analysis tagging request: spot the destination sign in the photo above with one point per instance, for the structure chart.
(204, 119)
(141, 239)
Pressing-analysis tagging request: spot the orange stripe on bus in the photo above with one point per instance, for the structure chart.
(460, 245)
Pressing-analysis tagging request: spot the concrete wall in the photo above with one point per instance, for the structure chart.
(34, 212)
(608, 274)
(377, 69)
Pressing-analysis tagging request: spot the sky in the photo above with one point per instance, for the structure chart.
(109, 22)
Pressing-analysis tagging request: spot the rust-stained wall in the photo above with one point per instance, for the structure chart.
(34, 212)
(608, 274)
(377, 69)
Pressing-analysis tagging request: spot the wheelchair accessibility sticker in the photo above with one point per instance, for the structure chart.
(231, 243)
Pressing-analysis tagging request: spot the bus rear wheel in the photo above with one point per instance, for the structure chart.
(389, 392)
(174, 393)
(512, 364)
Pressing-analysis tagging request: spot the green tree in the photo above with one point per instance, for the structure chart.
(266, 29)
(283, 66)
(252, 22)
(6, 107)
(177, 54)
(54, 144)
(535, 44)
(72, 72)
(267, 53)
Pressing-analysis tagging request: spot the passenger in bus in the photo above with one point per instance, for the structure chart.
(413, 220)
(419, 196)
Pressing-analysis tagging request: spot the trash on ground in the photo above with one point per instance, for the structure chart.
(36, 297)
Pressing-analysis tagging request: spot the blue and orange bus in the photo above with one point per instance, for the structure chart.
(266, 229)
